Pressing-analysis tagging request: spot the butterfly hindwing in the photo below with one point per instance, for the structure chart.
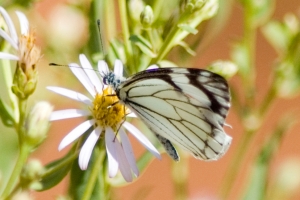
(184, 106)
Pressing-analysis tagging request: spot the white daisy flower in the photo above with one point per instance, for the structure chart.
(105, 116)
(27, 52)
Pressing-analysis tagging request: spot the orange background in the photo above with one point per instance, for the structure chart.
(204, 178)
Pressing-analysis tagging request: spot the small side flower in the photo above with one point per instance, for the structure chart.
(27, 54)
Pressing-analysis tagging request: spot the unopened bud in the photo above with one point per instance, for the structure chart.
(32, 173)
(24, 195)
(226, 69)
(37, 124)
(292, 23)
(147, 17)
(26, 75)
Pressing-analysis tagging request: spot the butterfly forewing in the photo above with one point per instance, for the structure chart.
(184, 106)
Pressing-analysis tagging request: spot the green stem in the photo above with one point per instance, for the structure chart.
(94, 175)
(7, 79)
(126, 34)
(109, 21)
(151, 38)
(24, 149)
(24, 153)
(22, 112)
(234, 166)
(175, 33)
(180, 177)
(248, 80)
(267, 102)
(158, 5)
(167, 45)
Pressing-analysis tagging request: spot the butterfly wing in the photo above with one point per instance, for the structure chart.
(187, 107)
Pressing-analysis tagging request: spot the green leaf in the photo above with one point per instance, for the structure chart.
(166, 63)
(116, 51)
(56, 171)
(277, 35)
(6, 114)
(261, 11)
(187, 48)
(188, 28)
(80, 185)
(240, 56)
(144, 45)
(140, 39)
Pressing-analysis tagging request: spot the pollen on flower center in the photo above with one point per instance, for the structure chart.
(106, 111)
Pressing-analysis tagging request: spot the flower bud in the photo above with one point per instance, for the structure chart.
(147, 17)
(24, 195)
(286, 180)
(32, 173)
(37, 123)
(26, 75)
(226, 69)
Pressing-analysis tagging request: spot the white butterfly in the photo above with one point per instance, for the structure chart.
(185, 106)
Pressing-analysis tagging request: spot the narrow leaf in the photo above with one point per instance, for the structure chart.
(6, 114)
(188, 28)
(56, 171)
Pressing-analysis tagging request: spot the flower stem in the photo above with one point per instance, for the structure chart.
(22, 113)
(24, 149)
(96, 168)
(24, 153)
(249, 84)
(180, 177)
(234, 166)
(167, 45)
(7, 79)
(125, 30)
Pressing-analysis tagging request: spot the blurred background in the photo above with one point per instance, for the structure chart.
(62, 28)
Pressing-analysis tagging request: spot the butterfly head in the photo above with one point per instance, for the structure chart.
(112, 80)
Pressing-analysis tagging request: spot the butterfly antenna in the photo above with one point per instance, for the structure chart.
(100, 35)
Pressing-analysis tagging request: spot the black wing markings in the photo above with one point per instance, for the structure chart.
(213, 81)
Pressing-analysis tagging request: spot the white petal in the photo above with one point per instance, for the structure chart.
(83, 78)
(132, 114)
(24, 24)
(140, 137)
(10, 25)
(123, 163)
(118, 68)
(128, 152)
(89, 70)
(8, 56)
(71, 94)
(102, 67)
(87, 148)
(113, 164)
(153, 67)
(75, 133)
(9, 39)
(68, 113)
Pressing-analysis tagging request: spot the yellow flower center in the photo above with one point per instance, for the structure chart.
(107, 111)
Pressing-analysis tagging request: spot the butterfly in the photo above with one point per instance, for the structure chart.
(182, 106)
